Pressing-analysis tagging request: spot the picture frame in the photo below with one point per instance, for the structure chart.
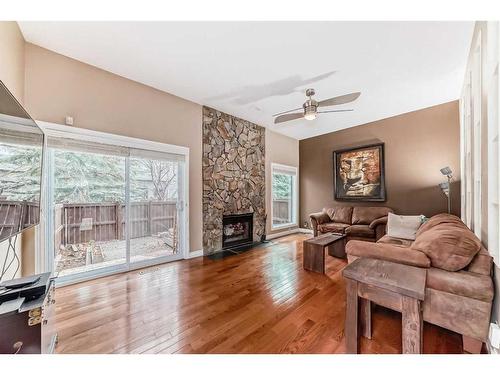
(359, 173)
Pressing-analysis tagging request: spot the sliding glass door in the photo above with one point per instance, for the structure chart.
(87, 194)
(154, 206)
(112, 208)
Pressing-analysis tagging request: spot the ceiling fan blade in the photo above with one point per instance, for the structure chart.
(343, 99)
(282, 113)
(336, 110)
(288, 117)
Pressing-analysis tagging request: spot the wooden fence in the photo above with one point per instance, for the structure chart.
(107, 221)
(281, 209)
(17, 215)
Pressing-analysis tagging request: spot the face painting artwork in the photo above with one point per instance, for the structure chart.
(359, 173)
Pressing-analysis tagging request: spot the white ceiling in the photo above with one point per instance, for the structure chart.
(255, 69)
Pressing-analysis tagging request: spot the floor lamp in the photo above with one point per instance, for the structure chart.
(446, 186)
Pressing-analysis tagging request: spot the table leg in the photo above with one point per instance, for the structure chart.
(366, 317)
(351, 317)
(337, 249)
(313, 257)
(412, 325)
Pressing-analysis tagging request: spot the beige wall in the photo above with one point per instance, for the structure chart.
(57, 86)
(417, 145)
(12, 75)
(12, 58)
(282, 150)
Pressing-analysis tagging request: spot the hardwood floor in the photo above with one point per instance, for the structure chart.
(261, 301)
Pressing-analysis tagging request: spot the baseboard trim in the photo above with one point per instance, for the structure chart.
(282, 234)
(306, 231)
(194, 254)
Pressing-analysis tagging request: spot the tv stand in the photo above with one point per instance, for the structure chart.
(27, 326)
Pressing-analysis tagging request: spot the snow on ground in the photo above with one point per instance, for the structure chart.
(73, 259)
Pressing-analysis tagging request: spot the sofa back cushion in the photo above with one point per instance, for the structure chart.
(339, 214)
(365, 215)
(448, 243)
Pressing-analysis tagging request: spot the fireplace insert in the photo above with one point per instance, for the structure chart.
(237, 230)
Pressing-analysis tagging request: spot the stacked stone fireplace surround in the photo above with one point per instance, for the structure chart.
(233, 174)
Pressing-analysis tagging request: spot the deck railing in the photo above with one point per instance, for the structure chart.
(281, 211)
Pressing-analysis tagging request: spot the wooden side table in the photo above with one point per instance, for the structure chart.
(314, 251)
(393, 285)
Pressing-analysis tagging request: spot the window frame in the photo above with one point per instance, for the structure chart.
(295, 195)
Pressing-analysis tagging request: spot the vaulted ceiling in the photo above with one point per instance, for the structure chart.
(255, 69)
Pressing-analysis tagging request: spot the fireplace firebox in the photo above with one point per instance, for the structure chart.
(237, 230)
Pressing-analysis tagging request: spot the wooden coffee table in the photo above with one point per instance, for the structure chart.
(393, 285)
(314, 250)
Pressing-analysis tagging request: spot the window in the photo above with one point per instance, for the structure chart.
(284, 196)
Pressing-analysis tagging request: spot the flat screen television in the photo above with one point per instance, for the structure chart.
(21, 156)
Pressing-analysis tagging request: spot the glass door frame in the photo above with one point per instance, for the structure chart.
(63, 131)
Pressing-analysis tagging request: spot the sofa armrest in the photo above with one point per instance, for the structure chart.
(379, 221)
(379, 225)
(318, 218)
(389, 252)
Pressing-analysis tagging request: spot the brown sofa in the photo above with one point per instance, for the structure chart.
(358, 223)
(459, 290)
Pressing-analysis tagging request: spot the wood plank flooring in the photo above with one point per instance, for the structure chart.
(261, 301)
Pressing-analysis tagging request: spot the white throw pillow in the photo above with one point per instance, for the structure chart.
(404, 227)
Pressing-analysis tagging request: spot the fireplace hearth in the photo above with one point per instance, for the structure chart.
(237, 230)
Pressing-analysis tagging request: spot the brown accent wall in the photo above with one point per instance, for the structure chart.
(58, 86)
(417, 145)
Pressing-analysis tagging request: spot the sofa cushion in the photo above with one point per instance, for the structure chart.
(449, 244)
(392, 253)
(365, 215)
(462, 283)
(405, 227)
(360, 231)
(339, 214)
(481, 263)
(395, 241)
(440, 219)
(333, 227)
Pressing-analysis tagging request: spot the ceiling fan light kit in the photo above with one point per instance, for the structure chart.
(310, 107)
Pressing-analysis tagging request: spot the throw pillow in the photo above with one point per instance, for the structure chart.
(404, 227)
(449, 246)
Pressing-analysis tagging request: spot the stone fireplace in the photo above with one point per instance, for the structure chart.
(233, 175)
(237, 230)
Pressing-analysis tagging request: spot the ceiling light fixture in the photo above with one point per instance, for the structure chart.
(310, 115)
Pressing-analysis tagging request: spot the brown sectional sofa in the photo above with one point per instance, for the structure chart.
(459, 289)
(358, 223)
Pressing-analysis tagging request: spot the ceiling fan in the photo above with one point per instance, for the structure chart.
(310, 107)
